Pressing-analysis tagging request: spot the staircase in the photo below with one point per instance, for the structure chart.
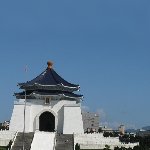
(43, 141)
(64, 142)
(28, 137)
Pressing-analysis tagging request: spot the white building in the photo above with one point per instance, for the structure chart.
(49, 104)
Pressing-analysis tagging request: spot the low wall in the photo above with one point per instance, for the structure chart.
(102, 146)
(98, 141)
(6, 136)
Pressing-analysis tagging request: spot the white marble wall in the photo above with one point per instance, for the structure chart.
(72, 119)
(34, 108)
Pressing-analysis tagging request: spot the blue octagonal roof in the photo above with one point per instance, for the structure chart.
(49, 78)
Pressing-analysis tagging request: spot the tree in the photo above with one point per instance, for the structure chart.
(107, 147)
(77, 146)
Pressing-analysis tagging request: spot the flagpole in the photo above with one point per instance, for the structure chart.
(23, 145)
(23, 141)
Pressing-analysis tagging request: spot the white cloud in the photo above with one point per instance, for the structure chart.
(102, 114)
(104, 121)
(85, 108)
(115, 125)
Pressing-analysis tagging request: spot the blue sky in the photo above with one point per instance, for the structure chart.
(102, 45)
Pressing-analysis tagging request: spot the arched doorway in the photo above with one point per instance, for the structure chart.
(47, 122)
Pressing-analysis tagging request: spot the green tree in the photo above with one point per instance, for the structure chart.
(77, 146)
(107, 147)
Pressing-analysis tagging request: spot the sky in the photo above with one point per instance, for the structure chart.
(102, 45)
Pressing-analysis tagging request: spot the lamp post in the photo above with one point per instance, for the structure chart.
(23, 144)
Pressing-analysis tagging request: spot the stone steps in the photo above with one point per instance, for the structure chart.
(43, 141)
(18, 144)
(64, 142)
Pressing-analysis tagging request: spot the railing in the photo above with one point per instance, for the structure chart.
(54, 142)
(13, 141)
(73, 142)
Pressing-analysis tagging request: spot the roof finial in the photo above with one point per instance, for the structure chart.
(50, 64)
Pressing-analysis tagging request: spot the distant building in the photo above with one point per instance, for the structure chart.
(90, 121)
(143, 133)
(105, 129)
(121, 129)
(4, 125)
